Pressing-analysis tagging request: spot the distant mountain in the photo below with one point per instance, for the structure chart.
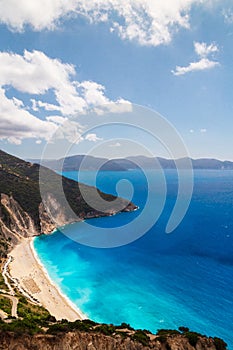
(73, 163)
(22, 212)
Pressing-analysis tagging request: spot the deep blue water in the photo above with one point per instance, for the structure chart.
(161, 280)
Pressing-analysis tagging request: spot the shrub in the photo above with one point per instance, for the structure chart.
(183, 329)
(141, 337)
(162, 339)
(124, 325)
(220, 344)
(167, 332)
(192, 338)
(105, 329)
(89, 322)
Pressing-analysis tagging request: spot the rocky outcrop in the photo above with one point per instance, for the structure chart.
(92, 341)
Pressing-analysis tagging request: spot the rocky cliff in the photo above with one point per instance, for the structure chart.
(94, 341)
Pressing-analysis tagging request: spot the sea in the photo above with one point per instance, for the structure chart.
(184, 278)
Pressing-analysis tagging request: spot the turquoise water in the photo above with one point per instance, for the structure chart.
(159, 281)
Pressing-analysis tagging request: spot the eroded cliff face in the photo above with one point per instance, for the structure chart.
(91, 341)
(14, 221)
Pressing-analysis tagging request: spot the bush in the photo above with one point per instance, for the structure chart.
(83, 326)
(167, 332)
(21, 327)
(192, 338)
(32, 312)
(162, 339)
(89, 322)
(183, 329)
(5, 305)
(220, 344)
(58, 327)
(141, 337)
(106, 329)
(125, 326)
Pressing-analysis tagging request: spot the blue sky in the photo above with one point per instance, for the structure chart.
(58, 59)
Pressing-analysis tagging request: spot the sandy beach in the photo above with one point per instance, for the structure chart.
(26, 269)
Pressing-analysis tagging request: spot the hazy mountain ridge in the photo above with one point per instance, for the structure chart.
(73, 163)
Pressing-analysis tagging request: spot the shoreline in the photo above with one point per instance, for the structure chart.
(31, 276)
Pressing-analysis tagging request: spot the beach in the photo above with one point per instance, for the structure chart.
(33, 281)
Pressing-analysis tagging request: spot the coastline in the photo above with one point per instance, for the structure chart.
(30, 275)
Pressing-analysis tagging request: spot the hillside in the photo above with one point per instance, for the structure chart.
(22, 212)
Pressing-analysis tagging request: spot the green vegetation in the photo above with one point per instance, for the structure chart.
(124, 326)
(167, 332)
(66, 326)
(183, 329)
(5, 305)
(220, 344)
(24, 326)
(163, 334)
(105, 329)
(141, 337)
(33, 313)
(192, 337)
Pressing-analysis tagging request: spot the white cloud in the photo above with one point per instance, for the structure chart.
(38, 142)
(117, 144)
(34, 73)
(93, 138)
(40, 15)
(92, 92)
(119, 106)
(203, 131)
(191, 131)
(228, 15)
(203, 64)
(202, 50)
(57, 119)
(146, 21)
(36, 105)
(18, 123)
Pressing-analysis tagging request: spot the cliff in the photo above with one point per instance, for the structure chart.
(24, 214)
(76, 340)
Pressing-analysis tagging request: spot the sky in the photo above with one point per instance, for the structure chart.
(60, 58)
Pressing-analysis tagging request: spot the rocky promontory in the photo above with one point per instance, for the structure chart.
(23, 213)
